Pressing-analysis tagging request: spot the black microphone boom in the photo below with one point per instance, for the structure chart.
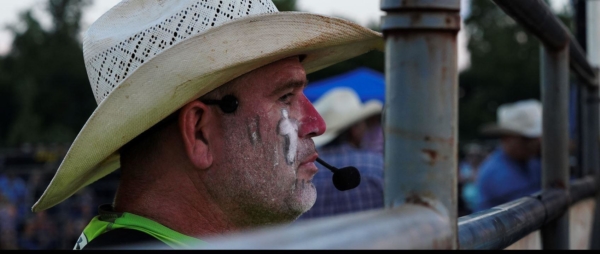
(345, 178)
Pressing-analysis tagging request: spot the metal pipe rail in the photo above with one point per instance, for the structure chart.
(405, 227)
(537, 18)
(560, 50)
(501, 226)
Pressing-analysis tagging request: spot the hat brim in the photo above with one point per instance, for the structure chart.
(492, 130)
(192, 68)
(371, 108)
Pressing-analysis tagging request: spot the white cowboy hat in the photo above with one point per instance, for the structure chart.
(341, 108)
(146, 59)
(522, 118)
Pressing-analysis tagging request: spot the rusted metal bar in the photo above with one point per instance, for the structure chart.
(422, 104)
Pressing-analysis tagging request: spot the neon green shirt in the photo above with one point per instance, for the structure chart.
(109, 220)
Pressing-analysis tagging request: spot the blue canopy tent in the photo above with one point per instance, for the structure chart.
(367, 83)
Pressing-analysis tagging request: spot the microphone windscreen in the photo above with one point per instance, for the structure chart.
(346, 178)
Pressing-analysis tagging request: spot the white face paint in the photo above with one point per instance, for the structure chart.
(289, 129)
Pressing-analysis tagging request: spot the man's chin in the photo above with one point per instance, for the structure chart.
(304, 198)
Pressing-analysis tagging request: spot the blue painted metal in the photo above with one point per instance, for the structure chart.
(429, 5)
(555, 144)
(421, 106)
(501, 226)
(424, 20)
(582, 189)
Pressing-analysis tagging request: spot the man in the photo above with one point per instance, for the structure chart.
(343, 144)
(513, 170)
(199, 102)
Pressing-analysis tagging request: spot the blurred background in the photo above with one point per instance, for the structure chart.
(45, 98)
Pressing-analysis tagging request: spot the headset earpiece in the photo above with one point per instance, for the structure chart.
(228, 104)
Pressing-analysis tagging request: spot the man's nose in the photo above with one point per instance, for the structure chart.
(311, 123)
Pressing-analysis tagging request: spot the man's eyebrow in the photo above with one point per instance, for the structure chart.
(292, 84)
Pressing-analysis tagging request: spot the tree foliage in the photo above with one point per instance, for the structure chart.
(374, 60)
(285, 5)
(505, 66)
(44, 90)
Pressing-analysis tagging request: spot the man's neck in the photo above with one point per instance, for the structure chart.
(161, 200)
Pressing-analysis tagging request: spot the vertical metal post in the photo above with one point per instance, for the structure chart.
(595, 111)
(593, 129)
(579, 7)
(593, 106)
(593, 38)
(555, 164)
(422, 104)
(583, 135)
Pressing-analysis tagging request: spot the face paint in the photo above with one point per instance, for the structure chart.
(254, 130)
(255, 178)
(288, 128)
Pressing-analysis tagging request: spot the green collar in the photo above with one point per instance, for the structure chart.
(109, 219)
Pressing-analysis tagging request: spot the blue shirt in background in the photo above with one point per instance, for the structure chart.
(502, 179)
(369, 193)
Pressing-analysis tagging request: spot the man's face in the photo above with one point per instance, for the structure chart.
(521, 148)
(264, 155)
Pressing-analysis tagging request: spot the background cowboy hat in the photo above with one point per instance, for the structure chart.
(522, 118)
(341, 108)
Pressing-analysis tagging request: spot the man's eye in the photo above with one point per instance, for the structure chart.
(287, 99)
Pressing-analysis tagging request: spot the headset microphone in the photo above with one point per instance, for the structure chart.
(344, 178)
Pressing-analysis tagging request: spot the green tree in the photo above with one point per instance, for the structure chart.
(505, 66)
(285, 5)
(373, 60)
(45, 75)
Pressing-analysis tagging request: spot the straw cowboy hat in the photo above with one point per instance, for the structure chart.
(146, 59)
(341, 108)
(522, 118)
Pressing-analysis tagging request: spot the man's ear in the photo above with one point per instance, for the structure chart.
(193, 126)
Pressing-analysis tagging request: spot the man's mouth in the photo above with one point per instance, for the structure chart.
(308, 165)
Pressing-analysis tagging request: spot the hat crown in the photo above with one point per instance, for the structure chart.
(524, 117)
(134, 31)
(338, 103)
(341, 108)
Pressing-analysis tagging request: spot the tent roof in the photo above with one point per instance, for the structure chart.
(367, 83)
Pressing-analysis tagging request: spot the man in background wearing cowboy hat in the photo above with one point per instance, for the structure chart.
(513, 170)
(200, 105)
(343, 144)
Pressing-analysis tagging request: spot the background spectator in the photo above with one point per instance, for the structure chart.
(513, 170)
